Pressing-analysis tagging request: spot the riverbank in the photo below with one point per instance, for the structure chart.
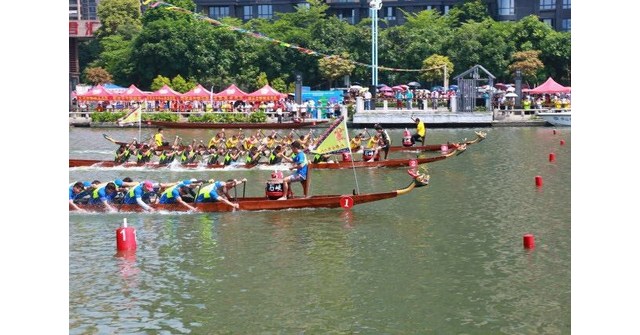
(395, 119)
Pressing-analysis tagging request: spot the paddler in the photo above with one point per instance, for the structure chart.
(137, 193)
(219, 191)
(174, 194)
(158, 139)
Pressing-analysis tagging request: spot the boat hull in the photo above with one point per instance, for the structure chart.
(561, 119)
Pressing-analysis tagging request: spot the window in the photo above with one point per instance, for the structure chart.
(88, 10)
(506, 7)
(429, 7)
(389, 13)
(346, 15)
(566, 24)
(566, 4)
(247, 13)
(547, 4)
(265, 11)
(446, 9)
(548, 21)
(218, 12)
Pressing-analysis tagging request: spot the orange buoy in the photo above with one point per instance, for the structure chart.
(561, 142)
(552, 157)
(538, 181)
(126, 239)
(528, 241)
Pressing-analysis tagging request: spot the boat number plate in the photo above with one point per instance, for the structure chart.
(346, 202)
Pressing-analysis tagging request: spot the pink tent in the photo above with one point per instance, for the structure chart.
(549, 87)
(163, 94)
(197, 93)
(266, 93)
(231, 93)
(133, 94)
(98, 93)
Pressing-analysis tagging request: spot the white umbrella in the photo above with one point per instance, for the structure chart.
(511, 89)
(511, 95)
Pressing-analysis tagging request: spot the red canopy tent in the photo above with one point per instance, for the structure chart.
(98, 93)
(230, 93)
(164, 93)
(266, 93)
(549, 87)
(133, 94)
(197, 93)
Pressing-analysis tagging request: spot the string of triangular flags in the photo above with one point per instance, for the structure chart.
(266, 38)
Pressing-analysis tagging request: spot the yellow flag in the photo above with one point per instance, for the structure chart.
(133, 117)
(335, 139)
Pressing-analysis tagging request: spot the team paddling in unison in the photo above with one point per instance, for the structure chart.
(109, 195)
(253, 149)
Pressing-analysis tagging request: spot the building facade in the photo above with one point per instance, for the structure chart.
(556, 13)
(83, 22)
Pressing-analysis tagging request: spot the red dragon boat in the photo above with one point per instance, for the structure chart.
(267, 203)
(396, 162)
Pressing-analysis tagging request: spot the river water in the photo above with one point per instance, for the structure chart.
(445, 259)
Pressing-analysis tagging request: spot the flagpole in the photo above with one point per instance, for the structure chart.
(140, 122)
(353, 167)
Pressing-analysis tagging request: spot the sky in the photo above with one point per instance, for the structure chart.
(603, 201)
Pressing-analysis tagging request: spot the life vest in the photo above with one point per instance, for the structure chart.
(367, 154)
(168, 193)
(213, 159)
(94, 194)
(132, 191)
(317, 158)
(406, 138)
(206, 191)
(273, 159)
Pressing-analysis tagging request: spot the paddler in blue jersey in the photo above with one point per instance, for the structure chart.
(75, 190)
(219, 191)
(174, 194)
(301, 166)
(104, 194)
(135, 195)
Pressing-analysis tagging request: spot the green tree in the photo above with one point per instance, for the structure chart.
(470, 10)
(334, 67)
(262, 80)
(180, 85)
(119, 17)
(160, 81)
(433, 68)
(528, 63)
(115, 58)
(556, 56)
(97, 76)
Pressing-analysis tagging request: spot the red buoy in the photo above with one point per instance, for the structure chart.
(528, 241)
(561, 142)
(552, 157)
(538, 181)
(126, 239)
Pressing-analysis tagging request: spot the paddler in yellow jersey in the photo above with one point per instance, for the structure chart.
(232, 142)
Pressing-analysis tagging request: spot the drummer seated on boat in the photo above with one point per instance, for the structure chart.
(300, 165)
(135, 195)
(219, 191)
(174, 194)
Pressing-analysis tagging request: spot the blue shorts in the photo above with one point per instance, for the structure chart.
(296, 177)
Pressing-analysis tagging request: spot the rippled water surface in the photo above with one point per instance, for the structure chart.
(446, 259)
